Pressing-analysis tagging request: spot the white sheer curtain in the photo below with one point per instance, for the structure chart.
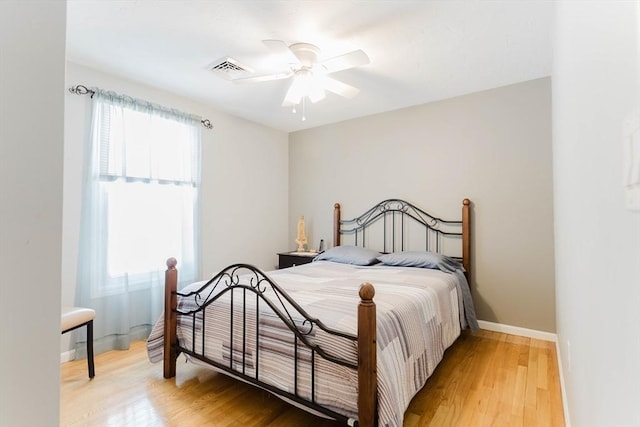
(140, 207)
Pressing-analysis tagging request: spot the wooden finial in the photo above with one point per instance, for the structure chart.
(367, 292)
(171, 263)
(336, 206)
(466, 202)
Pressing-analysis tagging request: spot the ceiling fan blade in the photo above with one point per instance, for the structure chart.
(346, 61)
(279, 47)
(263, 78)
(340, 88)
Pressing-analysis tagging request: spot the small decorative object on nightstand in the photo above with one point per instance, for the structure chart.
(291, 259)
(301, 238)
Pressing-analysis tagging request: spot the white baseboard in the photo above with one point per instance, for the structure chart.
(516, 330)
(67, 356)
(563, 390)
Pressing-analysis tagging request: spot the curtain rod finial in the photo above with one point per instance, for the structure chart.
(81, 90)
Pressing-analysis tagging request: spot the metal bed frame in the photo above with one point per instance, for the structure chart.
(251, 292)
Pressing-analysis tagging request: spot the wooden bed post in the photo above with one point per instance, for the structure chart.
(367, 358)
(336, 224)
(170, 320)
(466, 238)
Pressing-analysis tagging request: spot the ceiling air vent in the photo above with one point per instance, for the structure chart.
(229, 69)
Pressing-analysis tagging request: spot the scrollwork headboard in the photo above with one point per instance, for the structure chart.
(397, 225)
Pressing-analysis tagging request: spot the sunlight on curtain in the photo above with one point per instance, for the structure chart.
(140, 207)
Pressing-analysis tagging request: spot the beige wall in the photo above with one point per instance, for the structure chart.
(493, 147)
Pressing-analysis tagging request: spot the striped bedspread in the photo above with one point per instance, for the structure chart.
(418, 317)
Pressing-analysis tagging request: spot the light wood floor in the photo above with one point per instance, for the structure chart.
(485, 379)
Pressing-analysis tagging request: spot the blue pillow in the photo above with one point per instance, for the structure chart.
(423, 259)
(349, 255)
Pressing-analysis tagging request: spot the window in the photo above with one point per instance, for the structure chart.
(139, 207)
(142, 194)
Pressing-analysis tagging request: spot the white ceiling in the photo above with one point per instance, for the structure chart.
(420, 51)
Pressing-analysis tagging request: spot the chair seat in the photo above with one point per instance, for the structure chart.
(75, 316)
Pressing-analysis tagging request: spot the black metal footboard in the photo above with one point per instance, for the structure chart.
(241, 317)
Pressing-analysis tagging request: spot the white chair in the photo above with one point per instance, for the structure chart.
(77, 317)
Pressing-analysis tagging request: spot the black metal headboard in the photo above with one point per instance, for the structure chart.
(397, 225)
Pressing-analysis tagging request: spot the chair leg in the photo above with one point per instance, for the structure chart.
(92, 371)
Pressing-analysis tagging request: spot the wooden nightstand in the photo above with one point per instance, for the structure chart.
(291, 259)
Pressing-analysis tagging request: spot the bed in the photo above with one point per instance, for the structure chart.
(313, 335)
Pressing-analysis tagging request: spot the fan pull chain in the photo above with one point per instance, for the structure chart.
(304, 116)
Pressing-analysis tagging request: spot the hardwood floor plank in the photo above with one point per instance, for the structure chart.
(543, 371)
(485, 379)
(519, 391)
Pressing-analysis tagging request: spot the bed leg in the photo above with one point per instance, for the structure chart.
(336, 224)
(170, 324)
(367, 359)
(466, 238)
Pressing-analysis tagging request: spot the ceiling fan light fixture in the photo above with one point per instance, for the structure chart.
(316, 94)
(310, 74)
(315, 90)
(305, 84)
(297, 90)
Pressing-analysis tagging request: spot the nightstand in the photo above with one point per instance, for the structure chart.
(291, 259)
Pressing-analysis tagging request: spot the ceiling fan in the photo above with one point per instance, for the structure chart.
(310, 74)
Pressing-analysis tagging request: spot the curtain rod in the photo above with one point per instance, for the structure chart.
(83, 90)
